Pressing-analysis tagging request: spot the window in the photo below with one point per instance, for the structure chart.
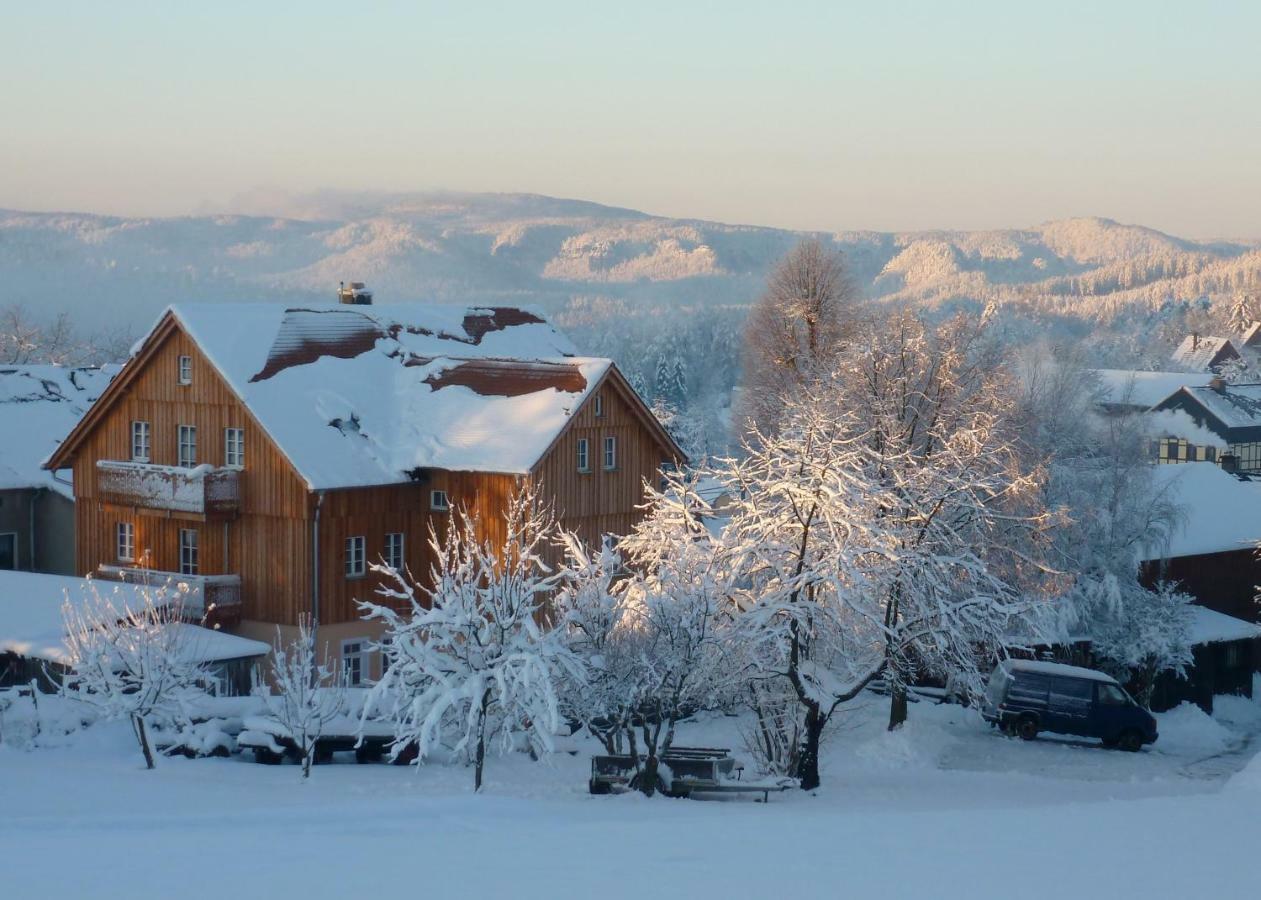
(584, 456)
(140, 441)
(234, 447)
(354, 556)
(8, 551)
(610, 452)
(353, 653)
(438, 500)
(394, 550)
(186, 370)
(1111, 695)
(188, 446)
(126, 542)
(1233, 657)
(188, 551)
(599, 406)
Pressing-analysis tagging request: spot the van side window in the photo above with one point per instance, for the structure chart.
(1074, 688)
(1111, 695)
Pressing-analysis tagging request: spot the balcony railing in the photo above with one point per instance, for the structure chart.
(200, 594)
(201, 491)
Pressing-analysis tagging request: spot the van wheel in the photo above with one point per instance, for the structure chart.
(1027, 728)
(1130, 741)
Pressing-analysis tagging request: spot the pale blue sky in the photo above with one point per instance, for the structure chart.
(809, 115)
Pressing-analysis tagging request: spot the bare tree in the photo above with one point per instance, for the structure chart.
(796, 329)
(26, 339)
(310, 695)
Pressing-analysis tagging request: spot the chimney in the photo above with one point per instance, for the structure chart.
(1218, 384)
(1195, 339)
(354, 294)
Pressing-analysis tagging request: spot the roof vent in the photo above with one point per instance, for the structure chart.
(354, 294)
(1218, 384)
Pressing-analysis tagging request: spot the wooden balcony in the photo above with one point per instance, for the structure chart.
(203, 492)
(216, 598)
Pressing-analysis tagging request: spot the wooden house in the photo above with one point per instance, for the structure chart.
(268, 455)
(1227, 415)
(1203, 353)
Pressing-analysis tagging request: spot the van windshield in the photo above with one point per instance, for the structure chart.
(1111, 695)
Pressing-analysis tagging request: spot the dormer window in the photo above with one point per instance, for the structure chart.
(186, 370)
(599, 406)
(439, 501)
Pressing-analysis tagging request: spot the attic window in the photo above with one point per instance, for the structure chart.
(186, 370)
(439, 501)
(599, 406)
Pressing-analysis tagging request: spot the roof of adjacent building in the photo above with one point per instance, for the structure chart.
(1198, 352)
(1221, 513)
(362, 395)
(1124, 387)
(1251, 335)
(1234, 405)
(31, 623)
(1211, 627)
(39, 405)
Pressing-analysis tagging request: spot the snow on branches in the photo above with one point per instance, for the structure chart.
(132, 660)
(474, 653)
(309, 694)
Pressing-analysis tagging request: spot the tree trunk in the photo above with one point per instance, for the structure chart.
(481, 744)
(648, 774)
(307, 757)
(808, 767)
(142, 735)
(897, 705)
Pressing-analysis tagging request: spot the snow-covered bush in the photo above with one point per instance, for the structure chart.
(1138, 634)
(309, 694)
(473, 652)
(130, 660)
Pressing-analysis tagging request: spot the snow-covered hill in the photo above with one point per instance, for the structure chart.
(510, 248)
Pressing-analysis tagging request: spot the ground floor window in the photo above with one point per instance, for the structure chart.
(8, 551)
(354, 556)
(354, 653)
(189, 562)
(1248, 456)
(126, 542)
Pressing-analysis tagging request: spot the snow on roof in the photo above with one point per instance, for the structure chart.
(1178, 423)
(1251, 335)
(1049, 668)
(1235, 405)
(1145, 389)
(1220, 512)
(39, 405)
(1198, 352)
(1211, 627)
(360, 395)
(31, 620)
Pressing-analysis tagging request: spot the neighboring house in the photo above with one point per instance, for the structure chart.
(1126, 390)
(269, 455)
(39, 404)
(1212, 555)
(1199, 353)
(1251, 337)
(32, 632)
(1225, 415)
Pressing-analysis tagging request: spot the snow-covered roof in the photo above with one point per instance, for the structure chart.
(1220, 512)
(1145, 389)
(360, 395)
(1235, 405)
(1198, 352)
(1178, 423)
(31, 618)
(1049, 668)
(39, 405)
(1211, 627)
(1251, 335)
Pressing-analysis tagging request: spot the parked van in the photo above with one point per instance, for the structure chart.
(1025, 697)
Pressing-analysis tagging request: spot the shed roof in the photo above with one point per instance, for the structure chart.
(1220, 512)
(1144, 389)
(1235, 405)
(31, 619)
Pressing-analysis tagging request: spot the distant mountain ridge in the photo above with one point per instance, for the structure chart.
(523, 248)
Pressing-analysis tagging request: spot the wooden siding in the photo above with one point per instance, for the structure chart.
(267, 545)
(599, 501)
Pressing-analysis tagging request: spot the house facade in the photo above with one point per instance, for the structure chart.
(39, 404)
(268, 456)
(1222, 423)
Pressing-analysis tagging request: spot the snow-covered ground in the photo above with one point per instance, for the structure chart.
(946, 807)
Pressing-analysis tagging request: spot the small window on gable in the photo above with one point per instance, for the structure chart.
(599, 406)
(584, 455)
(186, 370)
(439, 500)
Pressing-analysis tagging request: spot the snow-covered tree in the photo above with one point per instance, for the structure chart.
(132, 659)
(1242, 314)
(1144, 634)
(474, 651)
(309, 693)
